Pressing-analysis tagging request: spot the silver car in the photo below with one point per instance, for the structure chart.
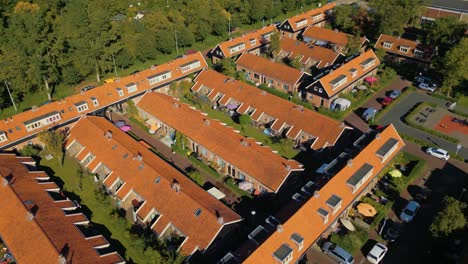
(337, 253)
(394, 94)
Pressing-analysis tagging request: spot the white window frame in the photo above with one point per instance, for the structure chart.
(82, 108)
(3, 137)
(404, 49)
(418, 53)
(95, 101)
(132, 88)
(387, 45)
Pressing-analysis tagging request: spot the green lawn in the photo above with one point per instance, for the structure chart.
(463, 101)
(120, 238)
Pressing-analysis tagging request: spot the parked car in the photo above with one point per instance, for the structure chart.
(386, 101)
(377, 253)
(409, 212)
(427, 87)
(391, 230)
(394, 94)
(369, 114)
(420, 79)
(438, 153)
(337, 253)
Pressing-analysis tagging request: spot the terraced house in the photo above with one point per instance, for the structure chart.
(328, 86)
(294, 26)
(399, 49)
(150, 190)
(282, 118)
(309, 55)
(286, 237)
(226, 150)
(26, 125)
(273, 74)
(39, 225)
(251, 42)
(333, 39)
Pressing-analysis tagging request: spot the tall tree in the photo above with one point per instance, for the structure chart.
(445, 32)
(450, 219)
(454, 66)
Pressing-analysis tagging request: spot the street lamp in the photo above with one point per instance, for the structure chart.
(11, 97)
(253, 216)
(176, 45)
(461, 194)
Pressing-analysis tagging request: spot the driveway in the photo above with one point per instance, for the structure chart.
(355, 120)
(404, 106)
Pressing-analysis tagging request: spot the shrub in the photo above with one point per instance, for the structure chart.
(30, 150)
(196, 176)
(351, 241)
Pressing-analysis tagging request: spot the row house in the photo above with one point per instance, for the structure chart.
(400, 49)
(294, 26)
(282, 118)
(41, 225)
(218, 145)
(25, 125)
(333, 39)
(435, 9)
(251, 42)
(327, 86)
(311, 57)
(273, 74)
(151, 191)
(286, 237)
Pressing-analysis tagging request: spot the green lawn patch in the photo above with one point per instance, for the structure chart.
(463, 101)
(382, 210)
(351, 241)
(409, 121)
(102, 211)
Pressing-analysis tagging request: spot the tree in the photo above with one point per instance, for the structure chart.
(354, 44)
(444, 32)
(244, 120)
(343, 17)
(196, 176)
(296, 63)
(30, 150)
(53, 141)
(450, 219)
(274, 43)
(227, 66)
(454, 66)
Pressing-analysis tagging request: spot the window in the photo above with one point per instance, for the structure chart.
(404, 49)
(189, 66)
(387, 149)
(368, 63)
(418, 53)
(120, 92)
(316, 17)
(157, 180)
(253, 42)
(338, 81)
(285, 87)
(198, 212)
(334, 202)
(131, 87)
(81, 106)
(95, 101)
(88, 159)
(360, 177)
(159, 77)
(301, 23)
(221, 163)
(237, 48)
(353, 72)
(283, 254)
(203, 151)
(387, 45)
(241, 176)
(256, 76)
(3, 136)
(270, 82)
(298, 240)
(311, 96)
(324, 214)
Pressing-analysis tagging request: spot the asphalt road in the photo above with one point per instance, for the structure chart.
(395, 116)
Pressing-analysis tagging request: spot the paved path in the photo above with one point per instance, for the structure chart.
(178, 161)
(355, 119)
(395, 116)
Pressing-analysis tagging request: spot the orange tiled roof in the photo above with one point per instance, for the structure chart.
(328, 35)
(177, 208)
(106, 95)
(43, 238)
(274, 70)
(247, 39)
(269, 168)
(434, 13)
(307, 222)
(324, 57)
(347, 69)
(397, 42)
(286, 114)
(308, 16)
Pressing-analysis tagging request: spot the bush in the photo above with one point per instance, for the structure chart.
(30, 150)
(351, 241)
(382, 210)
(196, 176)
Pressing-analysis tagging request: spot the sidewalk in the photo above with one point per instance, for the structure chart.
(179, 162)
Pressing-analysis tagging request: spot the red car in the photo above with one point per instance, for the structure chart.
(386, 101)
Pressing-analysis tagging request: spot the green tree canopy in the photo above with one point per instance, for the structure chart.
(450, 219)
(454, 67)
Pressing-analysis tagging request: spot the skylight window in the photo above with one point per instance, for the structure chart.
(198, 212)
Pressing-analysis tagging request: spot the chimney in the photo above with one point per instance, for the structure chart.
(117, 80)
(175, 105)
(206, 122)
(377, 136)
(62, 259)
(5, 182)
(138, 157)
(108, 134)
(349, 162)
(279, 228)
(244, 143)
(29, 216)
(34, 108)
(82, 92)
(316, 194)
(264, 92)
(176, 186)
(342, 124)
(153, 67)
(288, 167)
(221, 220)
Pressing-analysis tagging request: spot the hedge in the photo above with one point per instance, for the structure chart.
(351, 241)
(408, 120)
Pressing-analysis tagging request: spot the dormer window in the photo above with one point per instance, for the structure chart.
(95, 101)
(301, 23)
(190, 66)
(237, 48)
(338, 81)
(81, 106)
(418, 53)
(368, 63)
(316, 17)
(404, 49)
(298, 240)
(131, 87)
(3, 136)
(283, 254)
(334, 202)
(253, 42)
(353, 72)
(324, 214)
(387, 45)
(387, 149)
(120, 92)
(360, 177)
